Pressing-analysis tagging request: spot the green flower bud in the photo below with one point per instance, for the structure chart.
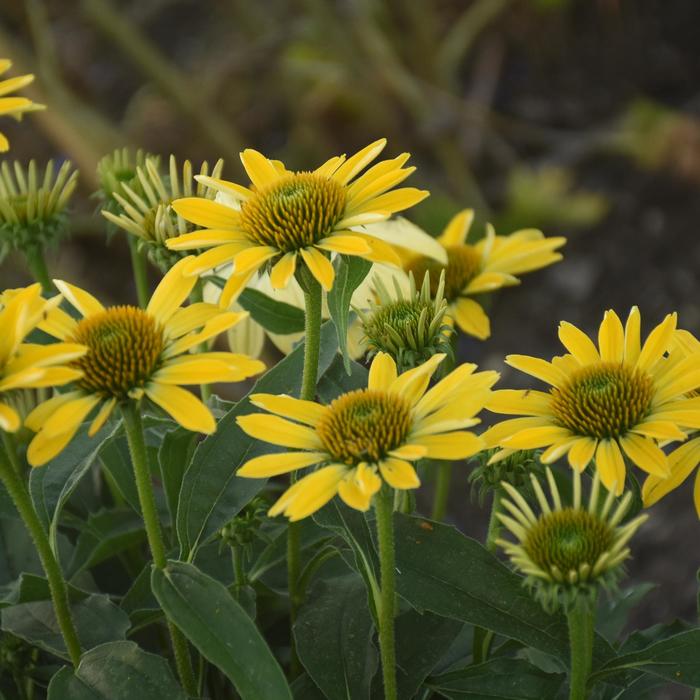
(568, 552)
(409, 327)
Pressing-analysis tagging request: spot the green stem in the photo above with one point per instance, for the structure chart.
(385, 536)
(154, 534)
(581, 619)
(442, 490)
(37, 266)
(140, 270)
(238, 568)
(57, 586)
(313, 299)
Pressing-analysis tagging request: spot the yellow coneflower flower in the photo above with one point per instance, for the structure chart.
(367, 435)
(567, 551)
(686, 458)
(28, 365)
(133, 353)
(619, 398)
(286, 214)
(476, 268)
(14, 106)
(144, 205)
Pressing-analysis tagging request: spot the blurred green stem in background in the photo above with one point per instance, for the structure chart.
(142, 475)
(442, 490)
(139, 267)
(37, 267)
(14, 483)
(581, 619)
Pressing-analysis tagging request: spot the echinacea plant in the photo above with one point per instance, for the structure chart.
(262, 535)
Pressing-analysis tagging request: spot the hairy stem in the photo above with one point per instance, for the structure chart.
(384, 508)
(154, 534)
(581, 619)
(140, 271)
(37, 266)
(17, 490)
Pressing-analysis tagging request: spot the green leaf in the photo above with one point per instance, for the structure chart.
(104, 535)
(614, 611)
(211, 493)
(17, 551)
(174, 457)
(51, 485)
(220, 629)
(97, 620)
(421, 641)
(30, 587)
(441, 570)
(334, 633)
(350, 271)
(499, 679)
(274, 316)
(336, 381)
(676, 659)
(304, 688)
(116, 671)
(352, 526)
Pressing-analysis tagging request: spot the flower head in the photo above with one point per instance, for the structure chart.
(567, 551)
(143, 206)
(475, 268)
(618, 398)
(285, 216)
(117, 169)
(134, 353)
(408, 326)
(367, 435)
(32, 205)
(28, 365)
(684, 460)
(14, 106)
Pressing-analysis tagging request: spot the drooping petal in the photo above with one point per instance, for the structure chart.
(471, 318)
(310, 494)
(183, 406)
(283, 270)
(9, 419)
(320, 266)
(682, 461)
(645, 454)
(611, 465)
(399, 474)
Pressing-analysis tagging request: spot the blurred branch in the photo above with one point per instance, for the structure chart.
(464, 33)
(147, 57)
(75, 129)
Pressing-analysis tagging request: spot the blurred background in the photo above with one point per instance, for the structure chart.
(577, 117)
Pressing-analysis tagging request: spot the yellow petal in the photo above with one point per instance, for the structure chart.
(499, 432)
(382, 372)
(646, 454)
(471, 318)
(309, 494)
(183, 406)
(489, 281)
(582, 453)
(457, 230)
(238, 192)
(578, 344)
(536, 437)
(69, 415)
(445, 388)
(189, 318)
(611, 466)
(536, 367)
(404, 234)
(682, 461)
(172, 290)
(308, 412)
(520, 402)
(251, 259)
(235, 284)
(320, 267)
(215, 257)
(207, 213)
(346, 244)
(196, 370)
(206, 238)
(399, 474)
(411, 385)
(9, 419)
(260, 170)
(43, 448)
(41, 413)
(457, 445)
(658, 342)
(30, 355)
(101, 418)
(611, 338)
(79, 298)
(393, 201)
(359, 486)
(357, 162)
(283, 270)
(659, 429)
(279, 463)
(279, 431)
(409, 452)
(632, 336)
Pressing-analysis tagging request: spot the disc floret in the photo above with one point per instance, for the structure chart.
(568, 552)
(411, 327)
